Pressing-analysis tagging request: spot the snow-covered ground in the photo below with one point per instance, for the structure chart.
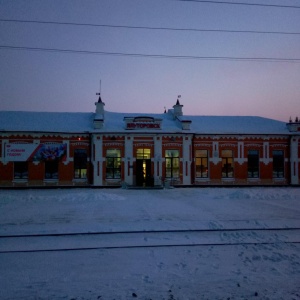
(230, 243)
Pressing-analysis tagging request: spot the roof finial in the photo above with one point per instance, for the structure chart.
(177, 102)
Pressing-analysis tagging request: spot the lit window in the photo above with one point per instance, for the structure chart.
(172, 163)
(143, 153)
(227, 163)
(201, 163)
(80, 163)
(113, 164)
(253, 164)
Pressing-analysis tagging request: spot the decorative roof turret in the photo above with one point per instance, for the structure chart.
(293, 126)
(177, 108)
(99, 116)
(99, 105)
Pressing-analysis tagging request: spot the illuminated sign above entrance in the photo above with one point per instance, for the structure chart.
(136, 123)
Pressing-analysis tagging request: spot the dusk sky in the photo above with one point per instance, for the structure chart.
(40, 80)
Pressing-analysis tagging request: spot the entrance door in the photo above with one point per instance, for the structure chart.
(148, 178)
(143, 172)
(139, 172)
(143, 167)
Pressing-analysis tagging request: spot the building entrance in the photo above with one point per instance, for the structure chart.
(143, 174)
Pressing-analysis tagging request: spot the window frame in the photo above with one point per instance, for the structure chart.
(51, 168)
(172, 166)
(80, 163)
(113, 164)
(202, 164)
(278, 163)
(143, 153)
(227, 160)
(22, 168)
(253, 163)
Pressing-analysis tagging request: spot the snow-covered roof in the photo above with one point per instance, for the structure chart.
(45, 121)
(21, 121)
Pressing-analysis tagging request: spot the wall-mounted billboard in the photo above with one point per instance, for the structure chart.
(35, 152)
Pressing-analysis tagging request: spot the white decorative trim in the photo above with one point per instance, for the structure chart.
(253, 145)
(225, 179)
(227, 145)
(202, 179)
(253, 180)
(20, 180)
(275, 179)
(172, 136)
(239, 160)
(143, 144)
(79, 180)
(203, 145)
(276, 137)
(266, 159)
(51, 180)
(278, 145)
(79, 144)
(215, 160)
(113, 181)
(51, 143)
(113, 144)
(172, 145)
(34, 135)
(68, 151)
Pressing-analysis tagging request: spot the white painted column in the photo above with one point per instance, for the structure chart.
(215, 159)
(97, 159)
(266, 151)
(186, 159)
(128, 161)
(157, 160)
(67, 142)
(294, 160)
(240, 158)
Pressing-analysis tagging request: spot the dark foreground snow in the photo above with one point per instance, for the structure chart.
(227, 262)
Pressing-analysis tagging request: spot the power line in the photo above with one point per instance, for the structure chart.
(164, 56)
(149, 27)
(240, 3)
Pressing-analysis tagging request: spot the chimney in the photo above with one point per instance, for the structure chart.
(100, 106)
(99, 116)
(177, 108)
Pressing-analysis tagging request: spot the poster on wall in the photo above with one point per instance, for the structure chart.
(35, 152)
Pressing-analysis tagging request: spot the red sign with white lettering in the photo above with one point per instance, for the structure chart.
(135, 125)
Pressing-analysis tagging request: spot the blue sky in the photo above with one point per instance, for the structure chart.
(55, 81)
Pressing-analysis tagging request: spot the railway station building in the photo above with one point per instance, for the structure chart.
(110, 149)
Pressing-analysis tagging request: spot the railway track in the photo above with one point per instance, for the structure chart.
(145, 239)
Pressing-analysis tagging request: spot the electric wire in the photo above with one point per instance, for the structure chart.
(241, 3)
(148, 27)
(142, 55)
